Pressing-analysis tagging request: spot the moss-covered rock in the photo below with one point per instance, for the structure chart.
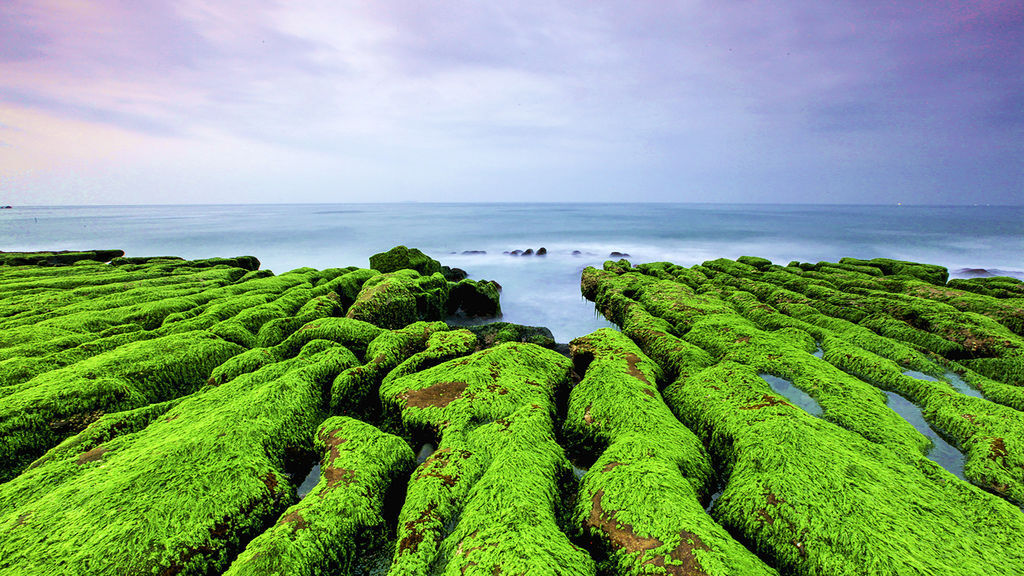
(60, 403)
(61, 258)
(790, 474)
(641, 501)
(490, 498)
(500, 332)
(183, 494)
(474, 299)
(340, 519)
(402, 258)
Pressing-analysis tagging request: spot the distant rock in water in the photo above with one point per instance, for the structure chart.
(974, 272)
(528, 252)
(6, 207)
(577, 253)
(619, 255)
(473, 252)
(990, 273)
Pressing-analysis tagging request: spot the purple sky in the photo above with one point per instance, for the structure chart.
(125, 101)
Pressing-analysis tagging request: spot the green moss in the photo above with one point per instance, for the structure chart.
(755, 261)
(400, 258)
(332, 527)
(60, 403)
(395, 299)
(927, 272)
(816, 498)
(499, 332)
(355, 335)
(474, 299)
(464, 511)
(352, 388)
(995, 286)
(641, 500)
(784, 466)
(182, 494)
(62, 258)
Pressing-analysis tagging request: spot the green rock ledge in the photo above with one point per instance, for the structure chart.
(197, 417)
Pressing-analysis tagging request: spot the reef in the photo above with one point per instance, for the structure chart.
(159, 415)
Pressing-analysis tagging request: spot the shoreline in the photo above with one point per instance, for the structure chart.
(734, 420)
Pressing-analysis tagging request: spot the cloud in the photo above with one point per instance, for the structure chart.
(756, 100)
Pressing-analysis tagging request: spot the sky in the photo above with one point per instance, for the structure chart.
(257, 101)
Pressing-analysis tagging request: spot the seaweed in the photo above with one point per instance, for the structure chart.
(341, 517)
(792, 477)
(488, 500)
(185, 493)
(642, 498)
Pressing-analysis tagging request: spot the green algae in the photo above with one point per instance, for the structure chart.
(59, 403)
(805, 495)
(499, 332)
(783, 465)
(641, 499)
(353, 389)
(330, 529)
(355, 335)
(474, 299)
(61, 258)
(818, 499)
(402, 258)
(182, 494)
(490, 497)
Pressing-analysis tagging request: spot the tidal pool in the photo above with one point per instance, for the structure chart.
(942, 452)
(795, 395)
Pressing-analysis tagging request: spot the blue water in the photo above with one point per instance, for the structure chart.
(536, 290)
(952, 378)
(941, 452)
(795, 395)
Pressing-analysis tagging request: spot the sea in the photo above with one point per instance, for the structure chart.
(536, 290)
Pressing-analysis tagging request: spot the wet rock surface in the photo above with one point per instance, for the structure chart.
(158, 415)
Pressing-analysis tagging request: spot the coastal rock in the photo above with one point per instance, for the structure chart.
(742, 321)
(474, 299)
(618, 255)
(473, 252)
(642, 497)
(464, 510)
(395, 299)
(342, 516)
(495, 333)
(400, 258)
(453, 274)
(60, 258)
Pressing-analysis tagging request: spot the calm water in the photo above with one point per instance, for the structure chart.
(537, 290)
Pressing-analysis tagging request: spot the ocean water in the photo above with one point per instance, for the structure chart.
(537, 290)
